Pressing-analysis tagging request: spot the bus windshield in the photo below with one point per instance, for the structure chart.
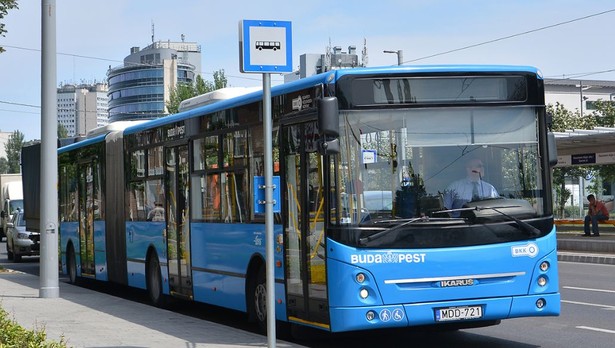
(439, 164)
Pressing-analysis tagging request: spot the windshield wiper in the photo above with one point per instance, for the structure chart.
(523, 226)
(365, 240)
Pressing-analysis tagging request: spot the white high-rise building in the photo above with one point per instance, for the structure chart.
(82, 108)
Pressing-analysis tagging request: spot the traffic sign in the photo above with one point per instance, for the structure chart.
(265, 46)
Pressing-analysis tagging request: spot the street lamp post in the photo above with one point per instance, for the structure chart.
(400, 56)
(582, 97)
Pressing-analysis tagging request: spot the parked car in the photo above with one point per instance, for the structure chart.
(20, 242)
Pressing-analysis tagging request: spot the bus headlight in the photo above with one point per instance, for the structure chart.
(360, 278)
(542, 281)
(364, 293)
(544, 266)
(370, 315)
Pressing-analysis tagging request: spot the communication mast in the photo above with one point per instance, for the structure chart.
(364, 53)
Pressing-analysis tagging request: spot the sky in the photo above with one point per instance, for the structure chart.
(563, 38)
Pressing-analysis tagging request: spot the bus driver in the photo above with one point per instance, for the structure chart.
(470, 188)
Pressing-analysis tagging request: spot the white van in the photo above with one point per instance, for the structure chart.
(12, 199)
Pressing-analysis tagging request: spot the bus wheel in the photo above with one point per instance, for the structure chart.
(154, 281)
(259, 300)
(71, 265)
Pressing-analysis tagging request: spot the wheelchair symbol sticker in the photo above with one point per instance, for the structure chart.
(398, 314)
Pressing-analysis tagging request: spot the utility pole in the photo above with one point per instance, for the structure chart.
(49, 277)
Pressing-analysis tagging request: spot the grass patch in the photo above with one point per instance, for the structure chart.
(13, 335)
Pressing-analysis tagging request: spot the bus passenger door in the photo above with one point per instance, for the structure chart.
(177, 184)
(88, 203)
(306, 280)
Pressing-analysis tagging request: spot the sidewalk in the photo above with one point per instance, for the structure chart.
(573, 247)
(86, 318)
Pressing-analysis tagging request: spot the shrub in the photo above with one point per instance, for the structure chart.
(13, 335)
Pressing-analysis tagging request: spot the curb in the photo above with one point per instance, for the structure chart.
(568, 256)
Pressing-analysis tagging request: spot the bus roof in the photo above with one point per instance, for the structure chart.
(97, 139)
(112, 127)
(461, 68)
(215, 96)
(325, 78)
(233, 102)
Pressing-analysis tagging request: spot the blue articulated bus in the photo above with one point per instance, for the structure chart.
(410, 195)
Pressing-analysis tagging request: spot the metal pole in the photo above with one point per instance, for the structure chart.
(49, 277)
(581, 94)
(270, 281)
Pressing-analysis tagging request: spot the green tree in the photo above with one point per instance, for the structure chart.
(13, 151)
(62, 132)
(183, 91)
(604, 116)
(219, 79)
(4, 165)
(5, 6)
(564, 119)
(202, 86)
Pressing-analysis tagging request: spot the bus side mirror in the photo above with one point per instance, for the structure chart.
(329, 125)
(328, 117)
(551, 149)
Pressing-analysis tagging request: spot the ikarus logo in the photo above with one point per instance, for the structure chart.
(529, 249)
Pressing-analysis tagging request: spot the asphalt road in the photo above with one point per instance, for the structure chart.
(587, 318)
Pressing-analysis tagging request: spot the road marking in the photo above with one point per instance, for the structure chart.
(596, 329)
(590, 304)
(589, 289)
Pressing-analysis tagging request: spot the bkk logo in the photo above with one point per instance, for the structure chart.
(387, 258)
(529, 249)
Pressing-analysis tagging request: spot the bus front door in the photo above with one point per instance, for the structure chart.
(177, 184)
(306, 280)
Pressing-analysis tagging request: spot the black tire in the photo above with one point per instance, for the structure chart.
(71, 265)
(257, 300)
(16, 257)
(9, 251)
(154, 281)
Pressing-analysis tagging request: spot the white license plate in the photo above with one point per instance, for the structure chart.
(459, 313)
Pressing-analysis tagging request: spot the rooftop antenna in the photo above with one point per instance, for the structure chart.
(364, 53)
(183, 37)
(327, 62)
(152, 31)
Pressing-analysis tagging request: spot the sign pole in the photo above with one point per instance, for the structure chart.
(266, 47)
(270, 269)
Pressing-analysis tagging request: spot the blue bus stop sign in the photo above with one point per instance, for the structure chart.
(259, 195)
(265, 46)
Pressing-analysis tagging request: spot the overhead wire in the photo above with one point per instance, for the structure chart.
(511, 36)
(72, 55)
(570, 76)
